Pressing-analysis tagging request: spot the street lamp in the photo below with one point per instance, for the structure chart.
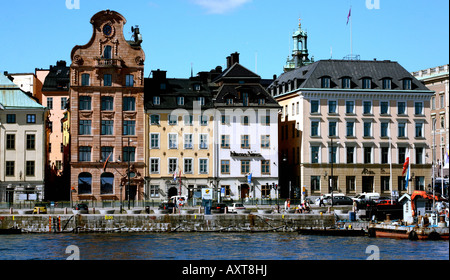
(276, 188)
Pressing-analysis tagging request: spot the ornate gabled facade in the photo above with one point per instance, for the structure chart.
(106, 113)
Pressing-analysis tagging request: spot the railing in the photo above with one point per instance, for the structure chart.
(108, 62)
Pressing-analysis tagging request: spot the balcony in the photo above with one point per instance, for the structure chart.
(108, 62)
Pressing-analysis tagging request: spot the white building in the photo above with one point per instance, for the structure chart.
(22, 145)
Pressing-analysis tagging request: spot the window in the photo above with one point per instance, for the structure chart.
(107, 80)
(265, 141)
(85, 80)
(433, 103)
(84, 183)
(350, 183)
(188, 169)
(367, 129)
(385, 183)
(367, 107)
(418, 108)
(31, 118)
(154, 141)
(201, 101)
(204, 120)
(261, 101)
(107, 54)
(350, 154)
(265, 191)
(84, 154)
(419, 155)
(384, 155)
(332, 154)
(107, 152)
(225, 120)
(401, 108)
(50, 126)
(265, 120)
(419, 130)
(203, 141)
(107, 183)
(315, 183)
(245, 167)
(401, 155)
(225, 142)
(314, 154)
(314, 128)
(314, 106)
(107, 127)
(188, 141)
(244, 120)
(63, 103)
(384, 107)
(367, 154)
(173, 120)
(50, 103)
(129, 104)
(245, 141)
(173, 141)
(420, 183)
(441, 101)
(346, 83)
(10, 141)
(154, 119)
(229, 101)
(245, 99)
(442, 122)
(107, 103)
(129, 80)
(387, 83)
(129, 154)
(332, 128)
(180, 100)
(203, 166)
(384, 129)
(265, 167)
(188, 120)
(367, 83)
(407, 84)
(31, 141)
(154, 190)
(85, 103)
(11, 118)
(9, 171)
(350, 128)
(225, 166)
(156, 100)
(154, 165)
(401, 129)
(332, 107)
(325, 82)
(349, 107)
(85, 127)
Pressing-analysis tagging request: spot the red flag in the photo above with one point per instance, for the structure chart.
(349, 14)
(405, 165)
(106, 163)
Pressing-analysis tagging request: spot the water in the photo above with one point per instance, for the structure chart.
(215, 246)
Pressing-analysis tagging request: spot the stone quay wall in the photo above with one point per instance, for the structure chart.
(54, 223)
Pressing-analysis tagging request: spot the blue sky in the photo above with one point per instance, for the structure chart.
(178, 33)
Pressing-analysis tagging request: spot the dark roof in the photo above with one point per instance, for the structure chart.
(310, 76)
(58, 79)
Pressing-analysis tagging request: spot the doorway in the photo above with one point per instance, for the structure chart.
(367, 184)
(245, 190)
(173, 191)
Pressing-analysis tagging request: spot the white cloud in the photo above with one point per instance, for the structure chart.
(220, 6)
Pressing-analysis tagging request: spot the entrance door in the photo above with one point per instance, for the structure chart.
(173, 191)
(367, 184)
(132, 192)
(245, 190)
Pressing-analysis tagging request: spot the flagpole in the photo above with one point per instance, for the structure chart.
(351, 33)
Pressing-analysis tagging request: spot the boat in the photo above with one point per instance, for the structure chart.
(332, 231)
(10, 231)
(411, 232)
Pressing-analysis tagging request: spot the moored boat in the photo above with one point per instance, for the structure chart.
(408, 232)
(332, 232)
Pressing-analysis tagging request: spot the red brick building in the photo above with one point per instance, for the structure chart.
(107, 114)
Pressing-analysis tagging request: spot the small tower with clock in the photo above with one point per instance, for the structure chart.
(299, 51)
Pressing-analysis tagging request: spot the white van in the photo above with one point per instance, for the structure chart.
(366, 196)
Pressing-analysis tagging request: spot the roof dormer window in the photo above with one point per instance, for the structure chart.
(326, 82)
(346, 82)
(407, 84)
(387, 83)
(366, 83)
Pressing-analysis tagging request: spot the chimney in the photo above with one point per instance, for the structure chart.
(229, 61)
(159, 75)
(234, 58)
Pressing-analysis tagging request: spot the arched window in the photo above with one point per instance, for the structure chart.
(84, 183)
(107, 183)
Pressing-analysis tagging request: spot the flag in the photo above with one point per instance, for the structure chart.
(175, 175)
(406, 164)
(249, 178)
(349, 15)
(447, 157)
(407, 169)
(407, 177)
(106, 162)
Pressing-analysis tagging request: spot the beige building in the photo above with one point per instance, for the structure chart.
(107, 114)
(436, 79)
(351, 124)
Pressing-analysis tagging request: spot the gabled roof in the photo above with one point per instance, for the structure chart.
(310, 75)
(12, 97)
(237, 71)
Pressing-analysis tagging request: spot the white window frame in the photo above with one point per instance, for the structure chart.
(158, 166)
(200, 166)
(159, 141)
(169, 138)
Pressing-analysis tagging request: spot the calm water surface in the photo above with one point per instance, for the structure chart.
(214, 246)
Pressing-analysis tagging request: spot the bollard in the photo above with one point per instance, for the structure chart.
(65, 210)
(11, 211)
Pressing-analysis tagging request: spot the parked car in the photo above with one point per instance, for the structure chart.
(82, 207)
(235, 206)
(219, 207)
(40, 208)
(366, 196)
(327, 198)
(341, 200)
(167, 206)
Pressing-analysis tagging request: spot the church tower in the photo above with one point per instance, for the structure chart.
(300, 50)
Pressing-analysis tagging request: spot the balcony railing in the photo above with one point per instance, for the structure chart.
(108, 62)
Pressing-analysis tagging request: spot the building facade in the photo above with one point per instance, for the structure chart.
(180, 136)
(22, 145)
(436, 79)
(107, 114)
(355, 124)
